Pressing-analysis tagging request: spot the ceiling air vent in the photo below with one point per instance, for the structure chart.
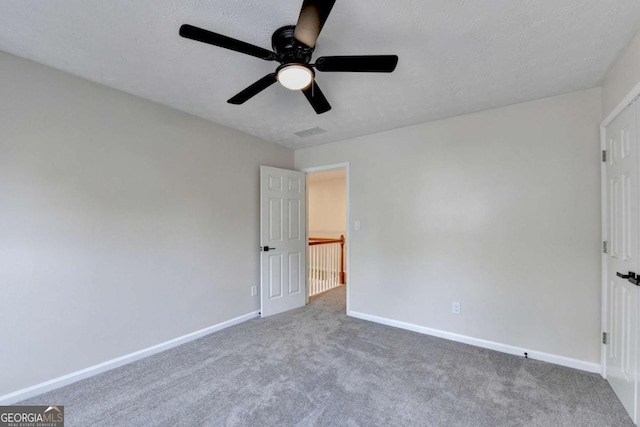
(310, 132)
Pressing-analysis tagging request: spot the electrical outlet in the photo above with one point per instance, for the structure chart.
(455, 308)
(356, 225)
(254, 291)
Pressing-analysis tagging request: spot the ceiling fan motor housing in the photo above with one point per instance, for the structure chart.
(288, 49)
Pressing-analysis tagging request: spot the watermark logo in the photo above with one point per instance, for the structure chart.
(32, 416)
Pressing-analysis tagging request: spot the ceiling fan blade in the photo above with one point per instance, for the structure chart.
(253, 90)
(205, 36)
(313, 15)
(361, 64)
(316, 98)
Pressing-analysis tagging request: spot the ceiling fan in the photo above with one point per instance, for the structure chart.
(293, 47)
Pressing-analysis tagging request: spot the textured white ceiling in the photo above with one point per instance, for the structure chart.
(456, 56)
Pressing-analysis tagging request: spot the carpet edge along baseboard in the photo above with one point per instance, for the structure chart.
(491, 345)
(73, 377)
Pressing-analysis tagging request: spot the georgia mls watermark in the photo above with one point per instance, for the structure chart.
(31, 416)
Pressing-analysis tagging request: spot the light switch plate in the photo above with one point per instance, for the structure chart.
(356, 225)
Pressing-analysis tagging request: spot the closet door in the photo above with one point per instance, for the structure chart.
(622, 262)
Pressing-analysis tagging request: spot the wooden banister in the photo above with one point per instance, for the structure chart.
(326, 242)
(342, 276)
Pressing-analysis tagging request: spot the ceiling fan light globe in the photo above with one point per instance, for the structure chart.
(295, 76)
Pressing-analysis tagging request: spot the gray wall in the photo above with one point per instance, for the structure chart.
(499, 210)
(123, 223)
(622, 77)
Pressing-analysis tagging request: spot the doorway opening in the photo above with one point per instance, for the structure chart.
(327, 229)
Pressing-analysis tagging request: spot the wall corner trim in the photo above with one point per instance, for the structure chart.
(624, 103)
(491, 345)
(29, 392)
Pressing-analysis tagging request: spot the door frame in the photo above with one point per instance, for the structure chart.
(326, 168)
(629, 99)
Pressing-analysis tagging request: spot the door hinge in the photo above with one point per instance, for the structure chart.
(604, 155)
(605, 246)
(604, 338)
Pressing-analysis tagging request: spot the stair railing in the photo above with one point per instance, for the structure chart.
(326, 264)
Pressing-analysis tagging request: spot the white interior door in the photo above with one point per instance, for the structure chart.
(283, 240)
(622, 295)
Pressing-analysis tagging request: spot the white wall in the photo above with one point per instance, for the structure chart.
(623, 76)
(499, 210)
(123, 223)
(327, 208)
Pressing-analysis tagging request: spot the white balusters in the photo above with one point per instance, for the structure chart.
(324, 265)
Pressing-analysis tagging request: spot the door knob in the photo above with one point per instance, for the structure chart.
(631, 277)
(626, 276)
(267, 249)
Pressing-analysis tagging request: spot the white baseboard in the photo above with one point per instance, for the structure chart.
(492, 345)
(73, 377)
